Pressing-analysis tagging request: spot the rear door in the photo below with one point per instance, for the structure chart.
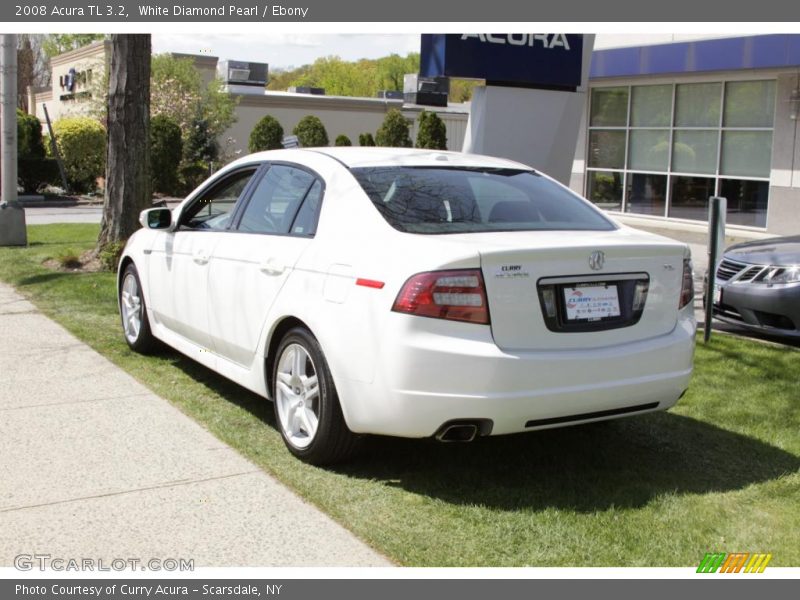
(251, 262)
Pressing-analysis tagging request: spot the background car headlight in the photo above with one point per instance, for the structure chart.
(784, 275)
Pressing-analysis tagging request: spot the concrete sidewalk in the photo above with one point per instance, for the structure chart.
(94, 465)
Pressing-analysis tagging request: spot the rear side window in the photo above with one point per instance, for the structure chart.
(464, 200)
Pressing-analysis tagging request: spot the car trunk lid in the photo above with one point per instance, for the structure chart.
(544, 294)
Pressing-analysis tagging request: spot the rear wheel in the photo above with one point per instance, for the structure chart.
(135, 324)
(306, 403)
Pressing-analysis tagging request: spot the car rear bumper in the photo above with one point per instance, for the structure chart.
(427, 378)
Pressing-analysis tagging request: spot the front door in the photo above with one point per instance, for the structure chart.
(179, 260)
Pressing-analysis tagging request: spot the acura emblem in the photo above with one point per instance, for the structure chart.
(596, 260)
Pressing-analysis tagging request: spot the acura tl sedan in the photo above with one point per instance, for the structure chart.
(411, 293)
(758, 286)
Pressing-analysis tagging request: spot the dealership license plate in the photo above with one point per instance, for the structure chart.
(717, 295)
(591, 302)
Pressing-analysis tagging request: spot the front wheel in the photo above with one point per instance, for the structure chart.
(306, 403)
(135, 324)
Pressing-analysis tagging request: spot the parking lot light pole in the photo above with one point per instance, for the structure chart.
(12, 215)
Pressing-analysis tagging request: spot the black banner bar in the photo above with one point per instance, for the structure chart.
(705, 586)
(496, 11)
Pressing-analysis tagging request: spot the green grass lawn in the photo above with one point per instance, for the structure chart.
(720, 472)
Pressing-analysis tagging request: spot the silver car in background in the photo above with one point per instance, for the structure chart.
(758, 286)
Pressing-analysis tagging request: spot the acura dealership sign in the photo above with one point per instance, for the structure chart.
(534, 60)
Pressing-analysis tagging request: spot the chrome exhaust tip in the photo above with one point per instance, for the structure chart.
(460, 432)
(463, 430)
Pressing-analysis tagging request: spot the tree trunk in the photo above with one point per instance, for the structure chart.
(128, 150)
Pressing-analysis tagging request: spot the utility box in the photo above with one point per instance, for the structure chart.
(427, 91)
(242, 76)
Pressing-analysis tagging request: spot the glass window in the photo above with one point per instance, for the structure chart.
(695, 151)
(747, 201)
(646, 194)
(651, 106)
(649, 150)
(607, 149)
(693, 139)
(213, 209)
(610, 107)
(690, 197)
(462, 200)
(697, 104)
(605, 189)
(275, 200)
(305, 223)
(746, 153)
(749, 103)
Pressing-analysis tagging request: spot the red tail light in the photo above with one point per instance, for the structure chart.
(458, 295)
(687, 285)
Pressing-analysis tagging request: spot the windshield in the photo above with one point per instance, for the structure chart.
(465, 200)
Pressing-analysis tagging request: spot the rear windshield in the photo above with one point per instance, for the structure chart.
(465, 200)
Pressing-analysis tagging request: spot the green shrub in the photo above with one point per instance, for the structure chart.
(193, 174)
(29, 136)
(166, 149)
(311, 132)
(81, 142)
(342, 140)
(366, 139)
(200, 152)
(266, 135)
(69, 258)
(432, 132)
(33, 169)
(109, 255)
(200, 144)
(393, 131)
(33, 173)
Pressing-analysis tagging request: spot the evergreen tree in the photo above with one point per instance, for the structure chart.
(432, 132)
(393, 132)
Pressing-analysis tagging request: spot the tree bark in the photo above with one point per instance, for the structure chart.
(128, 149)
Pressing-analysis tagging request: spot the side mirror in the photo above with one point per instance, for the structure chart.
(156, 218)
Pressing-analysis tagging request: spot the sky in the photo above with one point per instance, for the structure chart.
(283, 51)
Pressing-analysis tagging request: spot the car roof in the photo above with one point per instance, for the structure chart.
(371, 156)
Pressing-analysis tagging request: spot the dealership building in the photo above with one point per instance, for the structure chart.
(669, 125)
(665, 126)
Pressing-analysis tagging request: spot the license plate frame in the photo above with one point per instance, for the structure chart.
(591, 302)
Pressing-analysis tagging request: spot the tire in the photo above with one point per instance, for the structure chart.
(307, 408)
(133, 312)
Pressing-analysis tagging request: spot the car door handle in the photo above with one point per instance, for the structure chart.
(200, 257)
(271, 266)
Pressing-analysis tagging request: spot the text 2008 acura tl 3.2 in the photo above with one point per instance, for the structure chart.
(411, 293)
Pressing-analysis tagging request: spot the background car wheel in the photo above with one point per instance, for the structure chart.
(132, 309)
(306, 403)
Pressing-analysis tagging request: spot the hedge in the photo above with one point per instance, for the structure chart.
(81, 142)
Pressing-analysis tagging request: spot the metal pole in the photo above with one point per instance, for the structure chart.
(54, 150)
(715, 230)
(12, 215)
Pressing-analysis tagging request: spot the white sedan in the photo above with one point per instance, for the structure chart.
(411, 293)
